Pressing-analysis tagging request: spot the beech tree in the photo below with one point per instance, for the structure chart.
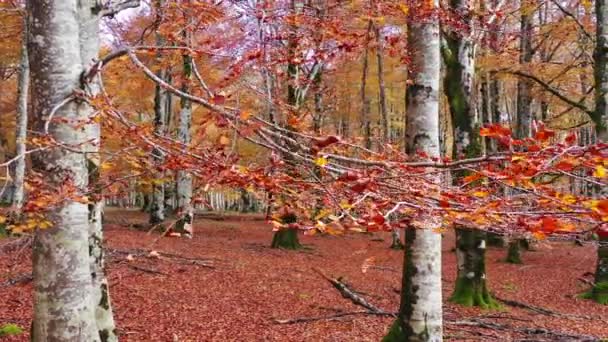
(420, 313)
(71, 300)
(599, 292)
(459, 52)
(22, 119)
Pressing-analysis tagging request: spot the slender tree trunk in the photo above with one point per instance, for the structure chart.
(420, 311)
(63, 306)
(386, 130)
(365, 105)
(600, 115)
(523, 121)
(288, 238)
(89, 50)
(157, 206)
(184, 179)
(599, 292)
(21, 124)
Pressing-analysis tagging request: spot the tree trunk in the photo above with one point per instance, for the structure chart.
(459, 57)
(386, 131)
(470, 288)
(365, 107)
(420, 311)
(63, 306)
(600, 115)
(599, 293)
(89, 50)
(184, 179)
(524, 86)
(157, 206)
(21, 122)
(288, 238)
(523, 122)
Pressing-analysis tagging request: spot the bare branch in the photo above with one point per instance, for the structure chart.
(112, 7)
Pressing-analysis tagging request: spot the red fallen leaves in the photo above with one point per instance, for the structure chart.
(361, 185)
(349, 176)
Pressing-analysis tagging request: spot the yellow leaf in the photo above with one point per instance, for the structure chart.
(2, 219)
(105, 166)
(321, 161)
(539, 235)
(224, 140)
(480, 194)
(600, 172)
(404, 9)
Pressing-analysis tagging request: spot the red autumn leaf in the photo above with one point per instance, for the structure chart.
(378, 219)
(348, 176)
(321, 143)
(571, 138)
(218, 99)
(360, 186)
(549, 224)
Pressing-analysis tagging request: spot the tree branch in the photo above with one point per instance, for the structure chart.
(112, 7)
(553, 91)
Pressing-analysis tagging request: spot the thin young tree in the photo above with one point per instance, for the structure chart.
(599, 292)
(22, 119)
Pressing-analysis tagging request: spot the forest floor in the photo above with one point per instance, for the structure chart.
(226, 284)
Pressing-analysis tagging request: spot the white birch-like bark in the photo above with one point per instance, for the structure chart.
(420, 313)
(21, 122)
(157, 209)
(89, 20)
(184, 179)
(63, 307)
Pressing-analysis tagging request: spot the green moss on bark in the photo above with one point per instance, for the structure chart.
(286, 238)
(470, 288)
(514, 253)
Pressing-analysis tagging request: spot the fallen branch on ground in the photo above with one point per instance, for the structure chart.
(145, 253)
(351, 294)
(147, 270)
(21, 279)
(536, 309)
(330, 317)
(528, 331)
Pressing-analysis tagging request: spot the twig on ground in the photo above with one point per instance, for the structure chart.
(351, 294)
(528, 331)
(536, 309)
(329, 317)
(147, 270)
(21, 279)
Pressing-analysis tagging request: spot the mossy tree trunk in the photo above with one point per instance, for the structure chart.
(420, 311)
(459, 55)
(599, 292)
(471, 288)
(514, 252)
(286, 238)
